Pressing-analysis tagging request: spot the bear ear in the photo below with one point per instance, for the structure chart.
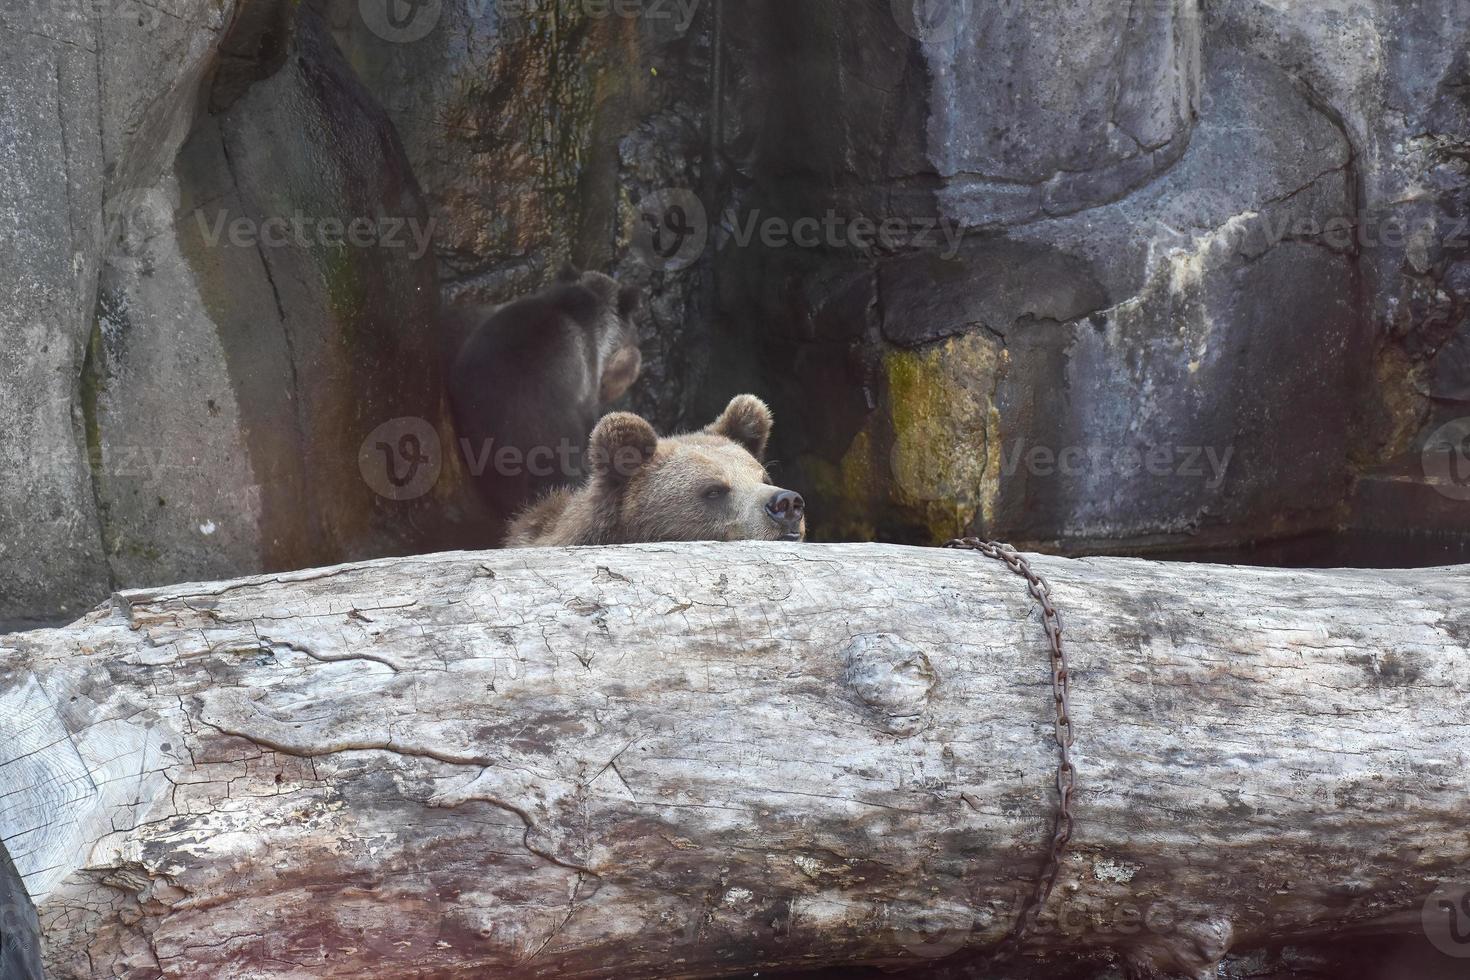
(746, 420)
(630, 301)
(621, 445)
(568, 273)
(619, 374)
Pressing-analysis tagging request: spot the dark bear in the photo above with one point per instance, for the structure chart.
(532, 378)
(703, 486)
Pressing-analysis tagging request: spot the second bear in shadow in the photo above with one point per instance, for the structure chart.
(532, 379)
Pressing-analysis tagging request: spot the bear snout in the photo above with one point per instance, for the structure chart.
(787, 509)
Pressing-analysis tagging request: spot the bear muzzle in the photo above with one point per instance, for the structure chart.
(788, 510)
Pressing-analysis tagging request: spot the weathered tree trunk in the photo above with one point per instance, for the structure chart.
(703, 759)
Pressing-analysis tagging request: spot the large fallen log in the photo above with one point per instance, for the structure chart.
(706, 759)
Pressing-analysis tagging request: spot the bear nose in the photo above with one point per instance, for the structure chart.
(786, 508)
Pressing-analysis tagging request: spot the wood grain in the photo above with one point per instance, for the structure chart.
(706, 759)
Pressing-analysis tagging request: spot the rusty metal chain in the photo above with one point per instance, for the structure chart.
(1061, 686)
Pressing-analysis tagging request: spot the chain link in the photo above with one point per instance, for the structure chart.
(1061, 687)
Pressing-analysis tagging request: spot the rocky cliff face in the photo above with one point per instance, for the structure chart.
(1190, 275)
(91, 103)
(271, 306)
(535, 128)
(1102, 277)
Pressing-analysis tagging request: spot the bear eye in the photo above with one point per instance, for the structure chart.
(717, 492)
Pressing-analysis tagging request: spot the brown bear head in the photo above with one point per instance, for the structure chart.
(614, 331)
(708, 485)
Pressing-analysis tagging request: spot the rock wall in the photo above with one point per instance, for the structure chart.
(1136, 292)
(1099, 277)
(535, 128)
(225, 288)
(1399, 77)
(93, 97)
(281, 311)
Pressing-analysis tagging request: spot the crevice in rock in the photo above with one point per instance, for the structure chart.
(253, 48)
(93, 376)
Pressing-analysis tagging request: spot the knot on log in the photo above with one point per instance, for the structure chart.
(893, 678)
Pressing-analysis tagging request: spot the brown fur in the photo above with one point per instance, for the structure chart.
(644, 488)
(533, 377)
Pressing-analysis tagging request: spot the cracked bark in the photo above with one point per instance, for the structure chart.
(513, 764)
